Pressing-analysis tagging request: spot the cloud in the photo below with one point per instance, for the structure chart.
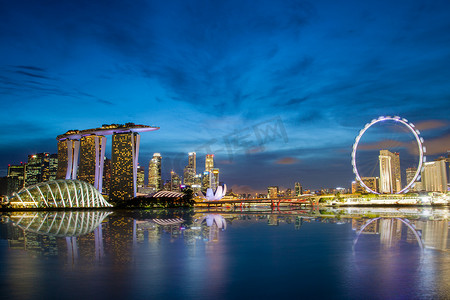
(431, 124)
(286, 161)
(384, 144)
(244, 189)
(438, 146)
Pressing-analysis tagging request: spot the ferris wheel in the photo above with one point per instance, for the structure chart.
(377, 152)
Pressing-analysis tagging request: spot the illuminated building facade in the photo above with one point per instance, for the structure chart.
(175, 182)
(390, 175)
(206, 183)
(298, 190)
(37, 169)
(53, 166)
(434, 176)
(209, 162)
(19, 172)
(92, 153)
(197, 186)
(106, 176)
(68, 152)
(272, 192)
(214, 178)
(190, 169)
(154, 172)
(140, 176)
(125, 149)
(125, 138)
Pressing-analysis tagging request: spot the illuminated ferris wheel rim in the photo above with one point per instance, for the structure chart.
(419, 141)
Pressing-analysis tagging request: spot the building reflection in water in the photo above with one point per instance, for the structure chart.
(89, 238)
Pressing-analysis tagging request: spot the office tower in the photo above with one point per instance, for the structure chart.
(434, 176)
(206, 181)
(356, 187)
(288, 193)
(298, 189)
(197, 186)
(390, 175)
(190, 169)
(37, 168)
(125, 149)
(106, 176)
(272, 192)
(154, 172)
(68, 151)
(19, 172)
(410, 173)
(92, 153)
(175, 182)
(371, 182)
(209, 162)
(53, 166)
(140, 176)
(214, 178)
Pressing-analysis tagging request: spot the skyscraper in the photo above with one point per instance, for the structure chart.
(272, 192)
(53, 166)
(140, 176)
(175, 182)
(92, 153)
(410, 173)
(190, 169)
(209, 162)
(37, 168)
(390, 175)
(125, 149)
(214, 178)
(154, 172)
(106, 176)
(298, 189)
(434, 176)
(19, 172)
(372, 183)
(68, 159)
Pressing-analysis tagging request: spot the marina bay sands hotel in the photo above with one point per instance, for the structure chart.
(81, 156)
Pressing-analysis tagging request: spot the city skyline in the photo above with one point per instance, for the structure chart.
(215, 75)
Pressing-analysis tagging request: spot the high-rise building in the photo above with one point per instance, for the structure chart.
(106, 176)
(206, 181)
(434, 176)
(390, 174)
(410, 173)
(37, 168)
(190, 169)
(53, 166)
(175, 182)
(214, 178)
(92, 153)
(298, 189)
(272, 192)
(68, 151)
(125, 149)
(154, 172)
(93, 147)
(209, 162)
(372, 183)
(197, 186)
(19, 172)
(140, 176)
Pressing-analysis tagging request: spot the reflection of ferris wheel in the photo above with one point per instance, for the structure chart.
(417, 143)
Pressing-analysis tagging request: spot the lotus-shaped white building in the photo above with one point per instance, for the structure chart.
(211, 196)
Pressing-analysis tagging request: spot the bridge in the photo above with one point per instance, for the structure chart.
(312, 200)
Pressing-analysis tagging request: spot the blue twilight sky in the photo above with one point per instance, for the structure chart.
(277, 90)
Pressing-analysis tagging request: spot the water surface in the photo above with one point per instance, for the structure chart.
(174, 254)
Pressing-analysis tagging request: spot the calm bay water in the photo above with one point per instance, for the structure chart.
(173, 254)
